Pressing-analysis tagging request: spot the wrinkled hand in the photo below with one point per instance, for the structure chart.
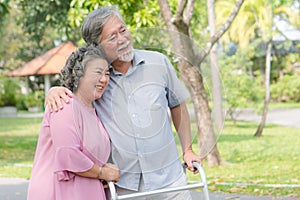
(189, 156)
(110, 172)
(54, 96)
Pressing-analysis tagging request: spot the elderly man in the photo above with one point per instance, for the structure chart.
(134, 109)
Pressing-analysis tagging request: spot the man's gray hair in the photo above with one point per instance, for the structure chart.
(93, 24)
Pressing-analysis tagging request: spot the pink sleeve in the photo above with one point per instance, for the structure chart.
(67, 144)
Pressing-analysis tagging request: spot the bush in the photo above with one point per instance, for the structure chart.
(34, 99)
(287, 89)
(240, 90)
(8, 91)
(21, 102)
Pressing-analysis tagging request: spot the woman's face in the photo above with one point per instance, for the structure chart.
(94, 80)
(116, 40)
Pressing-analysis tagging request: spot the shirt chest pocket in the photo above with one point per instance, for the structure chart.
(147, 104)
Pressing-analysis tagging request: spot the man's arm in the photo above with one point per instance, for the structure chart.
(181, 121)
(54, 96)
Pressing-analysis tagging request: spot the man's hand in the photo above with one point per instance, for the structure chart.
(54, 96)
(189, 156)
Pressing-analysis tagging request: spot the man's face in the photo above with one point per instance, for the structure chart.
(116, 40)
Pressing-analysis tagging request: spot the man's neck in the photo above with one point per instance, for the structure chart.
(121, 67)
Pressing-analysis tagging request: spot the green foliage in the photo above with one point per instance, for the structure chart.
(290, 61)
(199, 24)
(8, 91)
(240, 89)
(34, 99)
(66, 17)
(286, 89)
(140, 17)
(4, 10)
(4, 7)
(136, 14)
(38, 16)
(255, 19)
(21, 102)
(16, 46)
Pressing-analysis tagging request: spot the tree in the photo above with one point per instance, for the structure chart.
(40, 16)
(256, 23)
(216, 81)
(261, 126)
(4, 10)
(189, 68)
(15, 47)
(241, 90)
(137, 14)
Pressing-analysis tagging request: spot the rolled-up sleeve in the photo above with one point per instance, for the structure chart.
(176, 90)
(66, 138)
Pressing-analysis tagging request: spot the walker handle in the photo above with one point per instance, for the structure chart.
(203, 184)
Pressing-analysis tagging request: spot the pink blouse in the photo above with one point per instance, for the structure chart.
(70, 140)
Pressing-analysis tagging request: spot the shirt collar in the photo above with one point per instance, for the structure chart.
(137, 60)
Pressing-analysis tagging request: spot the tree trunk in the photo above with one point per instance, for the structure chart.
(267, 91)
(206, 136)
(216, 82)
(189, 67)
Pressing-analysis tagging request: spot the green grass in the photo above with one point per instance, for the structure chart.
(253, 164)
(18, 137)
(286, 105)
(273, 158)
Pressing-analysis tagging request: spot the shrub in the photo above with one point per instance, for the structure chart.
(240, 90)
(8, 91)
(34, 99)
(286, 89)
(21, 102)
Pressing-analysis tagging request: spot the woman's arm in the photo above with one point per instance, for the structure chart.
(69, 157)
(109, 172)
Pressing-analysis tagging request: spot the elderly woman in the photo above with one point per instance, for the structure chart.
(73, 146)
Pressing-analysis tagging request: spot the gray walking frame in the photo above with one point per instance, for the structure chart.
(202, 184)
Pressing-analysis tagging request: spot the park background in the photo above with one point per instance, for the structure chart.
(232, 55)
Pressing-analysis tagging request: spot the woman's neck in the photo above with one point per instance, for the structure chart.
(83, 99)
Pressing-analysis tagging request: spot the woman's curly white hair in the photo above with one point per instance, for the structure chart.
(76, 63)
